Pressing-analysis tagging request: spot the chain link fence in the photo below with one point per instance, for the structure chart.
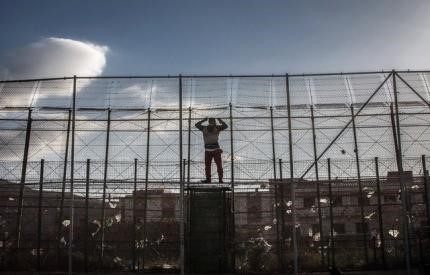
(103, 174)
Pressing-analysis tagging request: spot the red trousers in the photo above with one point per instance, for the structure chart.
(216, 155)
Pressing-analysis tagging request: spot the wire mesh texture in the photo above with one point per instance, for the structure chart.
(96, 173)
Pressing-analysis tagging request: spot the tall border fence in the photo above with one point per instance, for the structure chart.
(321, 170)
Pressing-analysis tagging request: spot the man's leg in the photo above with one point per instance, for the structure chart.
(208, 162)
(218, 162)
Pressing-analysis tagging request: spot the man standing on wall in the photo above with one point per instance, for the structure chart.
(212, 149)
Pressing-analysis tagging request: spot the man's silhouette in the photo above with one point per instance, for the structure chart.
(212, 149)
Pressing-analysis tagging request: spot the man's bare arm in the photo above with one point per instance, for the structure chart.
(223, 124)
(199, 124)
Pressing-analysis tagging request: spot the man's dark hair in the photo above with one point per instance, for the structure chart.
(212, 120)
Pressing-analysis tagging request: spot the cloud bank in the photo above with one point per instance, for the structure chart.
(46, 58)
(53, 57)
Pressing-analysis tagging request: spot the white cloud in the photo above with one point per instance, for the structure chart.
(48, 57)
(54, 57)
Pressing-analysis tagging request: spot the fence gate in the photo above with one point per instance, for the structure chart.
(209, 226)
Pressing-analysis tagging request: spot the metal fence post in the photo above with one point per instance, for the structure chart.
(293, 196)
(189, 147)
(278, 201)
(87, 230)
(145, 201)
(231, 146)
(283, 229)
(72, 177)
(272, 131)
(333, 251)
(320, 222)
(105, 175)
(233, 231)
(39, 216)
(184, 170)
(133, 245)
(63, 189)
(181, 186)
(405, 208)
(279, 240)
(280, 170)
(360, 189)
(426, 188)
(22, 182)
(281, 217)
(381, 224)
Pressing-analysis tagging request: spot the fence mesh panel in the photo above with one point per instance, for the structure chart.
(311, 163)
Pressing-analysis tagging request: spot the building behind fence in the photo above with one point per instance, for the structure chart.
(320, 170)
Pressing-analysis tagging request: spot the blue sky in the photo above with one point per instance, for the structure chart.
(231, 37)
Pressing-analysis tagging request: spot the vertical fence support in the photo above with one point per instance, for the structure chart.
(184, 170)
(231, 146)
(381, 224)
(280, 170)
(295, 243)
(72, 178)
(133, 245)
(39, 216)
(279, 238)
(188, 165)
(332, 243)
(87, 200)
(181, 186)
(272, 131)
(320, 221)
(360, 190)
(187, 229)
(233, 230)
(396, 147)
(145, 202)
(281, 216)
(426, 188)
(399, 157)
(63, 189)
(293, 188)
(224, 228)
(393, 128)
(22, 182)
(278, 201)
(189, 147)
(105, 175)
